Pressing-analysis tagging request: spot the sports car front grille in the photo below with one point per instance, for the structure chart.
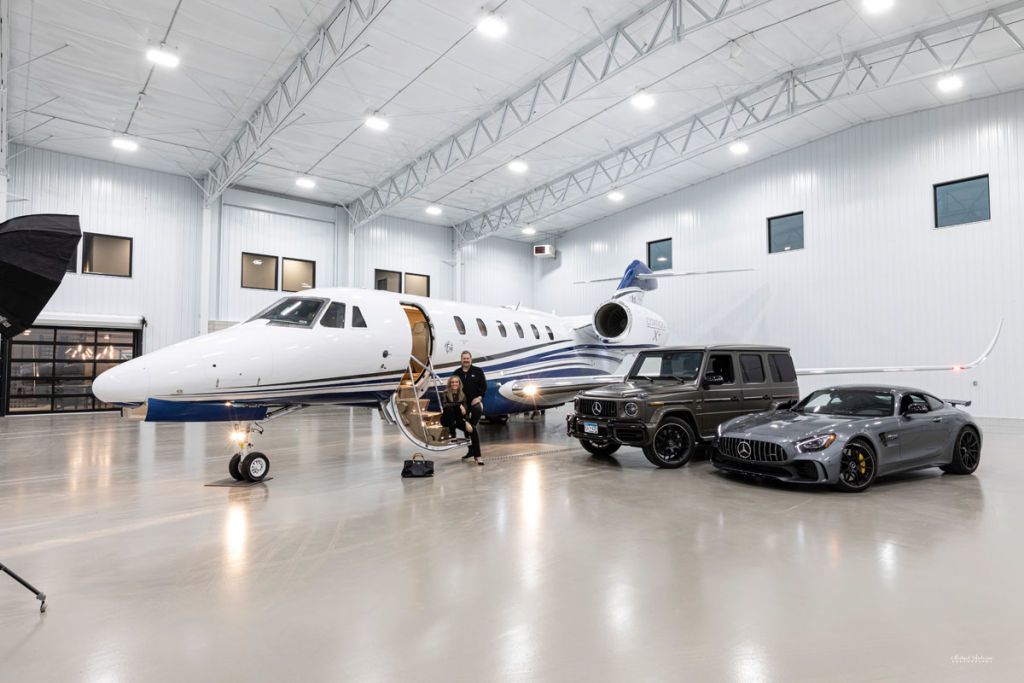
(606, 409)
(754, 451)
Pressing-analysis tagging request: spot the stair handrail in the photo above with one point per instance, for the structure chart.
(428, 369)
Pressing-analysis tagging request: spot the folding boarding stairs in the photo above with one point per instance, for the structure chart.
(408, 409)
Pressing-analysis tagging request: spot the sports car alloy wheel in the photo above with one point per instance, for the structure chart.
(966, 453)
(673, 444)
(857, 467)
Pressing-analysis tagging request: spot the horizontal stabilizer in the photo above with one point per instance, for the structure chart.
(665, 273)
(182, 411)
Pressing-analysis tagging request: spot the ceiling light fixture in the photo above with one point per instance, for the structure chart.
(616, 196)
(125, 144)
(877, 6)
(950, 83)
(643, 100)
(492, 26)
(518, 166)
(739, 147)
(161, 57)
(375, 122)
(305, 183)
(529, 231)
(433, 210)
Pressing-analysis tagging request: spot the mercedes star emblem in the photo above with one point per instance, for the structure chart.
(743, 449)
(597, 408)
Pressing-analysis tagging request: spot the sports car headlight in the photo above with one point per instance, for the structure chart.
(817, 443)
(631, 409)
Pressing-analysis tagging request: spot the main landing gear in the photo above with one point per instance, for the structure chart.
(247, 464)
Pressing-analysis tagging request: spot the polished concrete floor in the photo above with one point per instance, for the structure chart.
(546, 564)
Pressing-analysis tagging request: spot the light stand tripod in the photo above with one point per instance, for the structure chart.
(39, 594)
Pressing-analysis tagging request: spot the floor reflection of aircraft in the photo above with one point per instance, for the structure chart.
(372, 348)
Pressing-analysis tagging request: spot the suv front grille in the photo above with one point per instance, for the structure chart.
(755, 451)
(587, 408)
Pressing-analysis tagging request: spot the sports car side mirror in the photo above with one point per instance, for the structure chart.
(712, 380)
(916, 409)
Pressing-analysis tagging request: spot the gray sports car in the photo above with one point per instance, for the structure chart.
(848, 435)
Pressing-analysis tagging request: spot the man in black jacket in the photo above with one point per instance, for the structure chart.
(474, 385)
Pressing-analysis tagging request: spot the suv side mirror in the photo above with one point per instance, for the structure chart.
(916, 409)
(713, 380)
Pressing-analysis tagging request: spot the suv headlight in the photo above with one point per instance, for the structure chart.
(817, 443)
(631, 409)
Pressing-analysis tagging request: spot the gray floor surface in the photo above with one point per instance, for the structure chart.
(546, 564)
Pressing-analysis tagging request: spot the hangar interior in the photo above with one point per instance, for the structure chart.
(838, 177)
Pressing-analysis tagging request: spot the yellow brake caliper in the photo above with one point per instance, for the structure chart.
(860, 461)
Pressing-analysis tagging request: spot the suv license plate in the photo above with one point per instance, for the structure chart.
(590, 428)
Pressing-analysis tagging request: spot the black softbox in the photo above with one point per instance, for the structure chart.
(34, 255)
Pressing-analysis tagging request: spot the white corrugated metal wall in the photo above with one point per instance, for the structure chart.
(876, 284)
(161, 212)
(407, 247)
(497, 272)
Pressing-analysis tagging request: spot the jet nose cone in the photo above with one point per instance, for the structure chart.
(126, 383)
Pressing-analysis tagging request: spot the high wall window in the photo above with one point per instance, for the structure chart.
(297, 274)
(52, 369)
(387, 280)
(659, 254)
(417, 285)
(106, 255)
(786, 233)
(962, 201)
(259, 271)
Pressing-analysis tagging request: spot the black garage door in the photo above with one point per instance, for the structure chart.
(51, 369)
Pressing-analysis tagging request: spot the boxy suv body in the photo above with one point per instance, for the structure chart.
(674, 398)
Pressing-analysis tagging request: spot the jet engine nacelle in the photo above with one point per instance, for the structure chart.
(625, 323)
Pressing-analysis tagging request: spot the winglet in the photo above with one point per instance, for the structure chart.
(984, 356)
(631, 278)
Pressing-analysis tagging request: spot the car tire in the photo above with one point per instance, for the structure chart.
(966, 452)
(858, 467)
(599, 448)
(672, 445)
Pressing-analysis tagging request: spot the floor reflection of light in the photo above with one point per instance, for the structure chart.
(529, 525)
(748, 661)
(887, 560)
(235, 533)
(619, 608)
(834, 558)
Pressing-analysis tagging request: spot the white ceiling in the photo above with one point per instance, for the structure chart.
(77, 68)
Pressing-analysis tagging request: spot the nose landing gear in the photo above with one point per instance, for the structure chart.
(247, 464)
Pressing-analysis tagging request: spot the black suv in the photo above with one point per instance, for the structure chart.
(674, 398)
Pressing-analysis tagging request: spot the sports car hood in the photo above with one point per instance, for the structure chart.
(785, 425)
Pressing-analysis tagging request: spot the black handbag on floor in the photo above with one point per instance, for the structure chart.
(418, 468)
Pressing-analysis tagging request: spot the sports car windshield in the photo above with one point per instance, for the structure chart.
(681, 365)
(292, 311)
(847, 403)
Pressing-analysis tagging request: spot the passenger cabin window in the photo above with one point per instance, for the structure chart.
(721, 364)
(519, 330)
(335, 315)
(291, 311)
(483, 328)
(501, 329)
(459, 325)
(357, 317)
(551, 335)
(781, 366)
(536, 334)
(753, 368)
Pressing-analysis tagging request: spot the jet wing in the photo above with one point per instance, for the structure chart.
(909, 368)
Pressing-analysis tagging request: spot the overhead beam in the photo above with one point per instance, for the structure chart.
(922, 54)
(660, 23)
(332, 41)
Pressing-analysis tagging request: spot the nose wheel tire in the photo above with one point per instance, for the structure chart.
(966, 453)
(233, 466)
(255, 467)
(599, 448)
(857, 468)
(673, 444)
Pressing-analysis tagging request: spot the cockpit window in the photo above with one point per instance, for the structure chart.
(335, 315)
(357, 317)
(292, 311)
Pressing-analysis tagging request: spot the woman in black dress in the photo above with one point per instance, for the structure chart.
(453, 416)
